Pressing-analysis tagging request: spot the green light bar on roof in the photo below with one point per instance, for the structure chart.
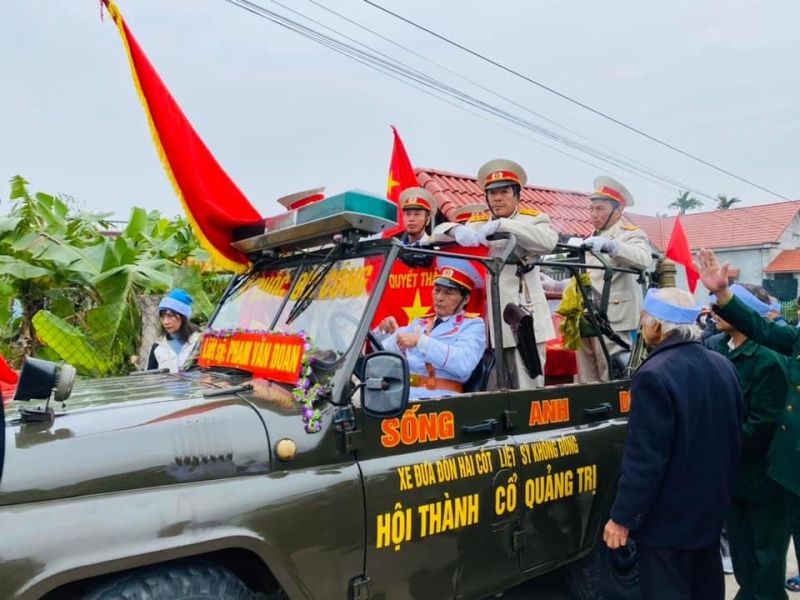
(316, 223)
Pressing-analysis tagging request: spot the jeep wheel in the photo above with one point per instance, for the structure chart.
(605, 574)
(177, 581)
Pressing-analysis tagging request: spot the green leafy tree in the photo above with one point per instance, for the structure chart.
(685, 202)
(724, 203)
(73, 283)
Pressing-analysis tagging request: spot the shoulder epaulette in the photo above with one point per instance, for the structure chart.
(478, 217)
(629, 227)
(472, 315)
(531, 212)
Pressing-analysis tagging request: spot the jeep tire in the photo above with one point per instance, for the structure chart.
(605, 574)
(174, 581)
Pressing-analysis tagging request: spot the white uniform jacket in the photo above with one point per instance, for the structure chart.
(535, 236)
(625, 297)
(453, 348)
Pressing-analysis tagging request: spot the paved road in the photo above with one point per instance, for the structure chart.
(550, 587)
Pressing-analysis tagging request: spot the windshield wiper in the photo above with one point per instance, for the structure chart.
(307, 295)
(226, 370)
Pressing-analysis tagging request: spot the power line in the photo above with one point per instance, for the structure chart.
(678, 185)
(573, 100)
(421, 81)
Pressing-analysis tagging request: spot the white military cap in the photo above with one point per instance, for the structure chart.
(417, 197)
(500, 173)
(608, 188)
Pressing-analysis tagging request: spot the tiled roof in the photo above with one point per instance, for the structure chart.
(567, 210)
(736, 227)
(788, 261)
(748, 226)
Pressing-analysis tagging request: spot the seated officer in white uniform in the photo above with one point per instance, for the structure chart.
(442, 348)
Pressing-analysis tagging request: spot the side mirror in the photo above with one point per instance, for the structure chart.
(385, 385)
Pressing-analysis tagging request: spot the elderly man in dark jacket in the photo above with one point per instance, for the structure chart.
(680, 458)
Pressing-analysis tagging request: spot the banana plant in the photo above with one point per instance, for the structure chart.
(77, 283)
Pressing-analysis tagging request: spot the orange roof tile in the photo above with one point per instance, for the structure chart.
(568, 211)
(788, 261)
(736, 227)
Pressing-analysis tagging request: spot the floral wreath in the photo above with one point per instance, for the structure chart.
(305, 391)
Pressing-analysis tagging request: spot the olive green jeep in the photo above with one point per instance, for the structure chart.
(235, 479)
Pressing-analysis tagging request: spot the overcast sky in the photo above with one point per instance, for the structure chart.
(720, 78)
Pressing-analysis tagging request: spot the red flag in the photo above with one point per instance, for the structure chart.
(213, 203)
(401, 176)
(409, 292)
(678, 250)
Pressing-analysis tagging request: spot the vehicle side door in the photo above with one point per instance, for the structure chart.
(569, 443)
(428, 480)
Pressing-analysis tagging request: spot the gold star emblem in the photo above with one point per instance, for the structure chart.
(416, 310)
(391, 184)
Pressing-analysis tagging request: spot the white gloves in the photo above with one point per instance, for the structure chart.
(601, 244)
(467, 236)
(489, 228)
(552, 285)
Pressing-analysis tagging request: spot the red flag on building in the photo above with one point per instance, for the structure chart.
(401, 176)
(213, 203)
(678, 250)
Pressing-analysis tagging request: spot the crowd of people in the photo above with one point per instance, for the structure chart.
(714, 439)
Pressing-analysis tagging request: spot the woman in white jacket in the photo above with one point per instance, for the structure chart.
(172, 350)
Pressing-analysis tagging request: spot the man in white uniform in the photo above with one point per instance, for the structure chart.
(626, 246)
(502, 182)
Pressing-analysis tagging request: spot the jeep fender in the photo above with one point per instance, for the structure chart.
(306, 525)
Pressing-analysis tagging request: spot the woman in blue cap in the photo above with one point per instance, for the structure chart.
(172, 350)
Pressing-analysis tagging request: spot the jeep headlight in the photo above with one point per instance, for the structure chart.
(41, 378)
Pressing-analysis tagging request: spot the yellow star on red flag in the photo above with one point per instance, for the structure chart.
(416, 310)
(391, 183)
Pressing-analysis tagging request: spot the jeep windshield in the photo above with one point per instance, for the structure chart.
(324, 301)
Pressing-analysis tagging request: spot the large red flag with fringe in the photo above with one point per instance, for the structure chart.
(678, 250)
(401, 176)
(214, 205)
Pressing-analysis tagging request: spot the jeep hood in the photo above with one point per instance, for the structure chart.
(125, 433)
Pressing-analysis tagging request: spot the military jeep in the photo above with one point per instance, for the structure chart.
(235, 479)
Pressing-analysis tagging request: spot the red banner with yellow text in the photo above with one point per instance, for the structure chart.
(273, 356)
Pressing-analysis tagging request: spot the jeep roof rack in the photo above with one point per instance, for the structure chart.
(317, 223)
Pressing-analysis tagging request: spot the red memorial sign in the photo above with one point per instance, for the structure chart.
(273, 356)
